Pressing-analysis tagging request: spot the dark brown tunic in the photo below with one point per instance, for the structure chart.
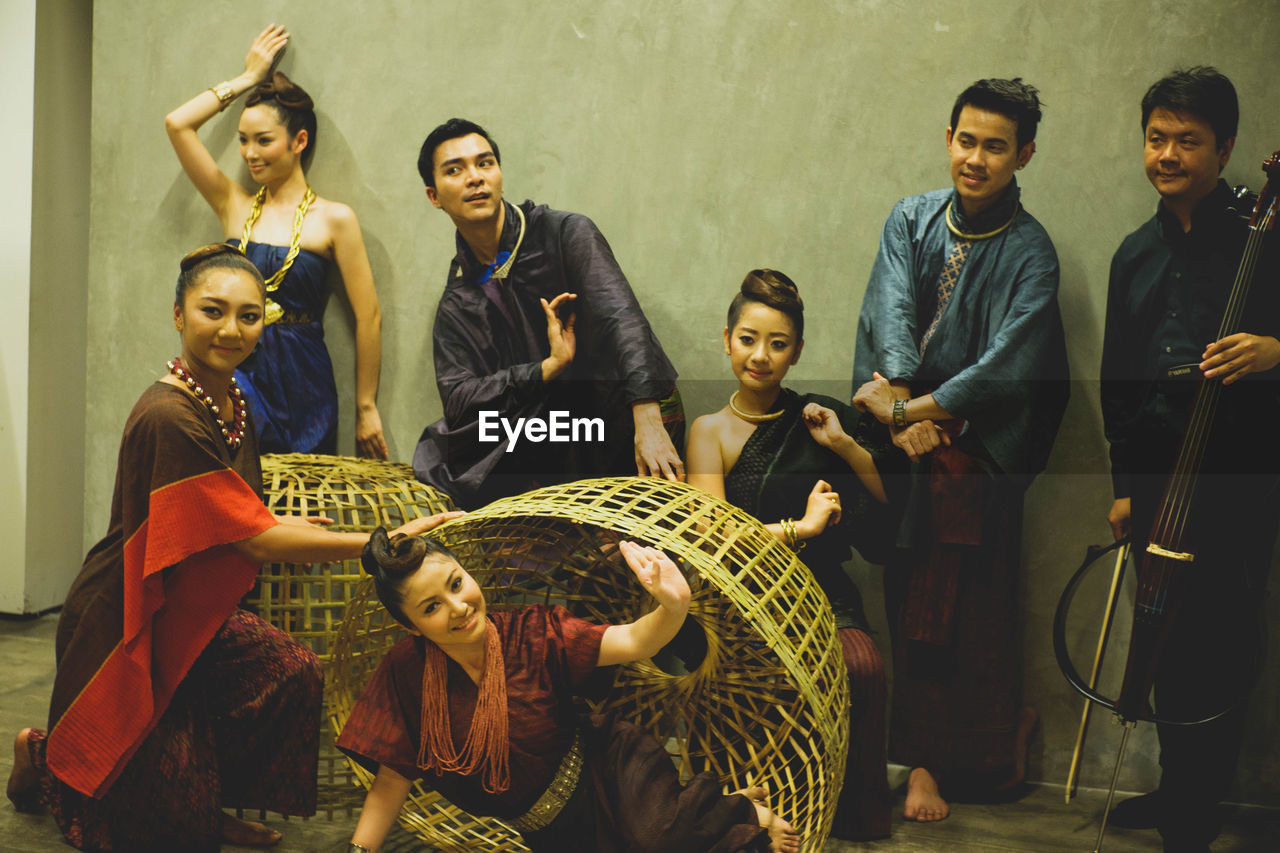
(168, 701)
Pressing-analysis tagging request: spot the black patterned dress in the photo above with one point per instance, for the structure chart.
(772, 479)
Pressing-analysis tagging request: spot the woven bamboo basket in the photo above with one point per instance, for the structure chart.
(309, 600)
(767, 704)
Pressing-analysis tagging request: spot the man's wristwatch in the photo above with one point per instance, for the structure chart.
(900, 412)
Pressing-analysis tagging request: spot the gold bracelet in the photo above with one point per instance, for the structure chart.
(797, 544)
(791, 536)
(224, 93)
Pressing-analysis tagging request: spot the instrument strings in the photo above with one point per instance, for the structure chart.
(1177, 504)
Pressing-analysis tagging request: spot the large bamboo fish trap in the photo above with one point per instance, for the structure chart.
(309, 600)
(767, 704)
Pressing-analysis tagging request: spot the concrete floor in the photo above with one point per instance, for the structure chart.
(1040, 821)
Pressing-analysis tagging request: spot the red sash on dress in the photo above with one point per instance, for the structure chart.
(169, 618)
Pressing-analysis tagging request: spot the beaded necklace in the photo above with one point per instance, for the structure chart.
(487, 747)
(233, 432)
(273, 311)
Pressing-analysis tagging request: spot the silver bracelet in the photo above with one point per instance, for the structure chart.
(900, 412)
(357, 848)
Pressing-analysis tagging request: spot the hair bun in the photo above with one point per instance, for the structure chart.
(194, 265)
(777, 280)
(199, 256)
(773, 288)
(290, 94)
(283, 91)
(392, 556)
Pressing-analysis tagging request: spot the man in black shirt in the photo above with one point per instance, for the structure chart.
(1169, 288)
(546, 366)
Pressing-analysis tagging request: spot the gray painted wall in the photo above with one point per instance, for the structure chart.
(705, 139)
(59, 271)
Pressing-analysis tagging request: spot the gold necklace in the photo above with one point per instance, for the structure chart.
(750, 417)
(503, 271)
(963, 236)
(273, 310)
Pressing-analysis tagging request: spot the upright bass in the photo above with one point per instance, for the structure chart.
(1169, 558)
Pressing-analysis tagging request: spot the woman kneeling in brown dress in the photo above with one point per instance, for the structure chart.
(170, 703)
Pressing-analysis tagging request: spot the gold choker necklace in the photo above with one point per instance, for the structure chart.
(748, 416)
(964, 236)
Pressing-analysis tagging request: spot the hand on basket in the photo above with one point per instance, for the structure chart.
(305, 520)
(419, 526)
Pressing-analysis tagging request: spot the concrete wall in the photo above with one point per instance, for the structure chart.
(705, 139)
(17, 63)
(59, 276)
(46, 59)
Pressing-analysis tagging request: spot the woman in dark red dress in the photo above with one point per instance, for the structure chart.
(170, 703)
(479, 706)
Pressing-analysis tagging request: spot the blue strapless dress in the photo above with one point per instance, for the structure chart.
(288, 378)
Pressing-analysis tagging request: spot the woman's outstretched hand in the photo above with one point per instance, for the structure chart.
(645, 636)
(658, 575)
(304, 520)
(264, 50)
(419, 526)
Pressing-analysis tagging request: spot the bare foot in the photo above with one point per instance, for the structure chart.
(782, 837)
(1027, 719)
(24, 780)
(924, 803)
(246, 833)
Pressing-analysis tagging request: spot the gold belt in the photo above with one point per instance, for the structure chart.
(548, 806)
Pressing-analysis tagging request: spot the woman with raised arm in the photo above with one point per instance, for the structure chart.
(479, 706)
(293, 236)
(169, 702)
(792, 462)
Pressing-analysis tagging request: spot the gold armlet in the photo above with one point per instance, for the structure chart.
(224, 93)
